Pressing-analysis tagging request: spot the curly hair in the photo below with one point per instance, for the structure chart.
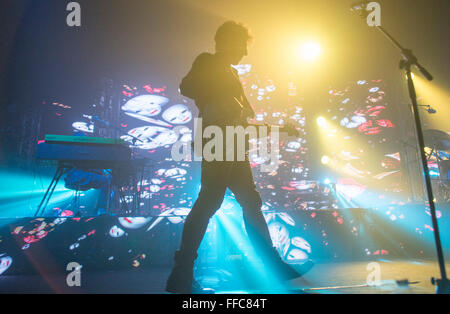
(230, 32)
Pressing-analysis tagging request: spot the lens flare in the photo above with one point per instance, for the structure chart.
(310, 51)
(321, 121)
(325, 160)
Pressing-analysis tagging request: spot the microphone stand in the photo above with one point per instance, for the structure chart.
(408, 60)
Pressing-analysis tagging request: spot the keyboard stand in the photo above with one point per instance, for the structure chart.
(60, 171)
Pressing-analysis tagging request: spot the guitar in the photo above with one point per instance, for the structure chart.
(214, 115)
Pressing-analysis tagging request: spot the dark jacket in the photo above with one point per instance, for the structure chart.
(217, 91)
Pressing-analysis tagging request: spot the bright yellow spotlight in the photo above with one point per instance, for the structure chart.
(321, 121)
(310, 51)
(325, 160)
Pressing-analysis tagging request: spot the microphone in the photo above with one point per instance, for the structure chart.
(431, 110)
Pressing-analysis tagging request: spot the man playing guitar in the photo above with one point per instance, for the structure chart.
(217, 90)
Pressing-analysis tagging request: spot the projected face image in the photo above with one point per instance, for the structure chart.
(116, 232)
(177, 114)
(151, 137)
(5, 263)
(154, 188)
(301, 243)
(287, 219)
(181, 214)
(280, 236)
(293, 146)
(186, 134)
(134, 222)
(175, 172)
(147, 119)
(296, 255)
(83, 127)
(353, 122)
(363, 135)
(145, 105)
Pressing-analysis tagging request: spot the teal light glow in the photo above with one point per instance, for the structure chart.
(237, 256)
(21, 193)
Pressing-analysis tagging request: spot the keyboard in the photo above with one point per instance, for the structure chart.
(84, 151)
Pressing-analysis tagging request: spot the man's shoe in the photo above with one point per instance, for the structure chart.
(197, 288)
(181, 278)
(178, 283)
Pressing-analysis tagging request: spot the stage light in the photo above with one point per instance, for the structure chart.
(327, 181)
(310, 51)
(321, 121)
(325, 160)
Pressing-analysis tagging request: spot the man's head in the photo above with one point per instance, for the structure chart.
(232, 39)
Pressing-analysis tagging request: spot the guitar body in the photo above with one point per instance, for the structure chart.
(236, 114)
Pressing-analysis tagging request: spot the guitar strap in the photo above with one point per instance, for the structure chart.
(243, 99)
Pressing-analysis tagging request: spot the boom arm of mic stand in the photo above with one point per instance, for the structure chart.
(407, 54)
(443, 284)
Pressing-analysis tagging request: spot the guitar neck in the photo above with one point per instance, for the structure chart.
(288, 128)
(268, 125)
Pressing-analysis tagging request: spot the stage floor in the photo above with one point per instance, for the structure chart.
(345, 277)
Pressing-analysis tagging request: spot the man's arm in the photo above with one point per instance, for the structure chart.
(208, 87)
(193, 84)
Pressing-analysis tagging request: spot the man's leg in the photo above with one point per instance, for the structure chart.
(208, 202)
(243, 187)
